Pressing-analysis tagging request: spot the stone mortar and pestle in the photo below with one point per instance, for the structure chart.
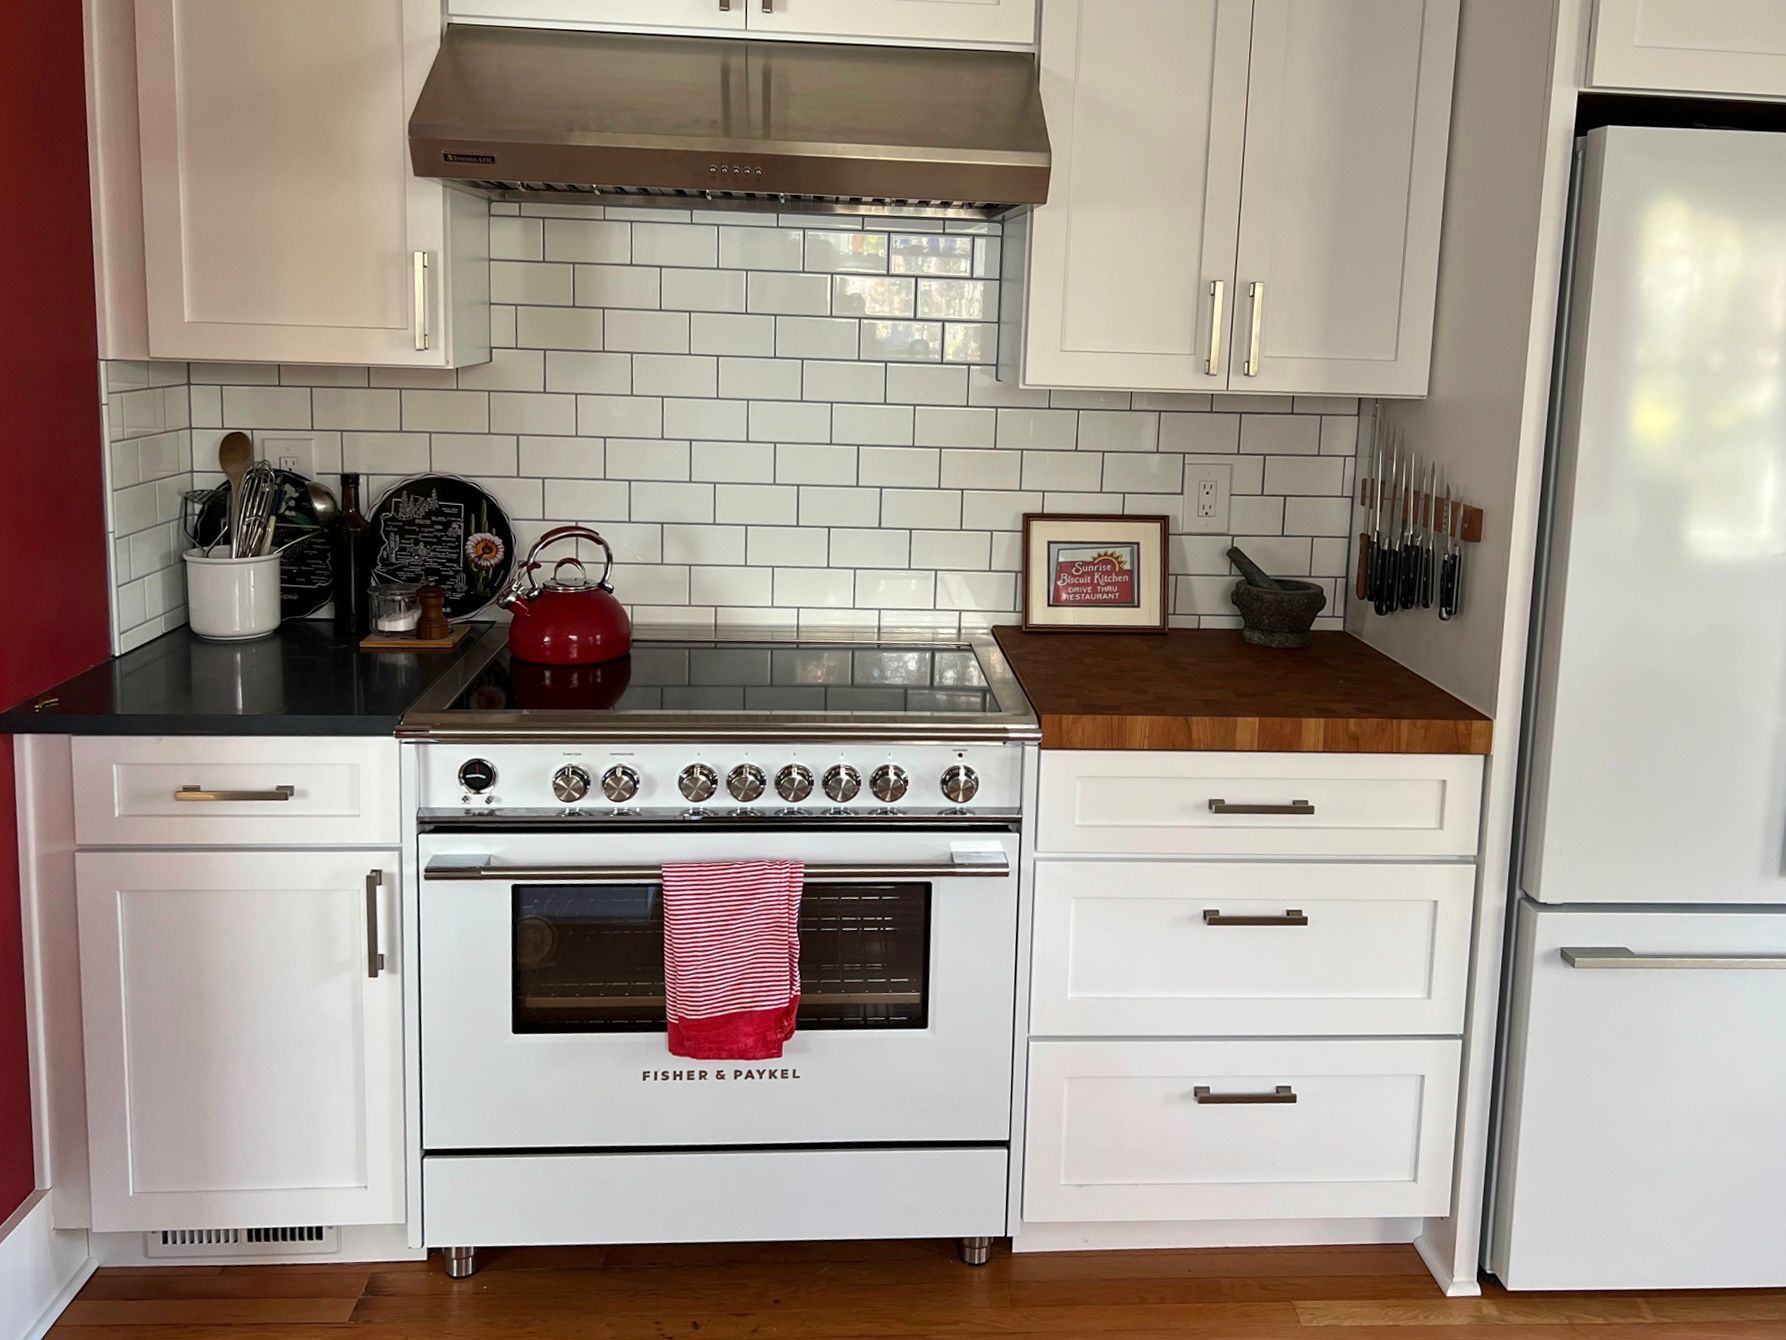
(1275, 612)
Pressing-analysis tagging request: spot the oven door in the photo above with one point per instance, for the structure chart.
(542, 992)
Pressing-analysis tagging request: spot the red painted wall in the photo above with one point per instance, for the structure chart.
(50, 446)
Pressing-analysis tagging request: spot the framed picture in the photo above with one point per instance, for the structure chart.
(1094, 574)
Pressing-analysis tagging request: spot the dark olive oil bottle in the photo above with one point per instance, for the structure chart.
(353, 564)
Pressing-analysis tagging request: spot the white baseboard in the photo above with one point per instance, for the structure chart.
(41, 1269)
(1455, 1286)
(1223, 1233)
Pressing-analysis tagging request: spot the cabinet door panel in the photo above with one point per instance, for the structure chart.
(280, 218)
(1693, 46)
(711, 15)
(1347, 120)
(243, 1066)
(1146, 105)
(1005, 22)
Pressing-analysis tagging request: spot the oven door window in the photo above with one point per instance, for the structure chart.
(590, 958)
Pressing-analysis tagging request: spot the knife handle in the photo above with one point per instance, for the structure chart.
(1362, 585)
(1448, 587)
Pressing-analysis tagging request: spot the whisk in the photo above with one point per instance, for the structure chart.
(254, 518)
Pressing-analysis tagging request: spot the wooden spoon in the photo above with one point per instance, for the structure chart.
(234, 455)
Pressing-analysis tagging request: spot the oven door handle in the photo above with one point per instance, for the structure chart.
(964, 865)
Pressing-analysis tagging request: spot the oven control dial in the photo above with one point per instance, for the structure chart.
(794, 783)
(842, 783)
(889, 783)
(477, 775)
(746, 783)
(620, 784)
(570, 784)
(960, 784)
(698, 782)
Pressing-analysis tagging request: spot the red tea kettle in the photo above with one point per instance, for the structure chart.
(566, 621)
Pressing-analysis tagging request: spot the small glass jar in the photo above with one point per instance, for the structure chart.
(396, 609)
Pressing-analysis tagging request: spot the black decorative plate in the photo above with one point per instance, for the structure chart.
(448, 531)
(306, 571)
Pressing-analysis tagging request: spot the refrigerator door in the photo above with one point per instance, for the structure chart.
(1643, 1136)
(1657, 771)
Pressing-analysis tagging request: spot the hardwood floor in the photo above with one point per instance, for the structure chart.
(882, 1291)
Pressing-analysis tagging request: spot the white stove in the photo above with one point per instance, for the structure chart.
(548, 801)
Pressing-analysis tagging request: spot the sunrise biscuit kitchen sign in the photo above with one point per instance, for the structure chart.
(1094, 573)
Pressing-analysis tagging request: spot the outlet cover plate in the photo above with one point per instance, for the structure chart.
(1208, 486)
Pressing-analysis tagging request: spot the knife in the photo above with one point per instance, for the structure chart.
(1448, 567)
(1366, 548)
(1383, 579)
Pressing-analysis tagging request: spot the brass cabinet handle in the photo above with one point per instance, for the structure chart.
(1220, 806)
(725, 6)
(1283, 1093)
(421, 301)
(200, 793)
(374, 959)
(1257, 292)
(1215, 917)
(1616, 957)
(768, 6)
(1217, 289)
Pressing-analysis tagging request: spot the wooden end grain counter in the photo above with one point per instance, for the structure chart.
(1207, 689)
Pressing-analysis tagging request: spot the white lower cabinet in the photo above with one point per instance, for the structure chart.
(242, 1027)
(1239, 1130)
(1247, 986)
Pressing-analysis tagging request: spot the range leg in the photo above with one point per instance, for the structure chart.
(976, 1251)
(461, 1262)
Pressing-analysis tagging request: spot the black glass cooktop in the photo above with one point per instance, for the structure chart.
(732, 677)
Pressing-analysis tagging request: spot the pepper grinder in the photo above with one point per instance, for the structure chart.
(433, 626)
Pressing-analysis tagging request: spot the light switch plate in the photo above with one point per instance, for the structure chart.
(1207, 488)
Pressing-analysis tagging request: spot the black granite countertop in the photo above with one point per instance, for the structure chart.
(299, 681)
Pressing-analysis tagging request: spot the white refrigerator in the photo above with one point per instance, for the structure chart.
(1641, 1134)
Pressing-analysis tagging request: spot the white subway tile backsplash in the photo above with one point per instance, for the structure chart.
(770, 419)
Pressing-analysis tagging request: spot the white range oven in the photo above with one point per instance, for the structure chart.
(551, 1108)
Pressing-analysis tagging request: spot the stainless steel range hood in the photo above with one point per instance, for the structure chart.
(736, 123)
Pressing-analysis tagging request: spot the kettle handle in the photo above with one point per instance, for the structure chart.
(531, 564)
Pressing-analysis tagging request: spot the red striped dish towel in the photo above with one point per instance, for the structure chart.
(732, 958)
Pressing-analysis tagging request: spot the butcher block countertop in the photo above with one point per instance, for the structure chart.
(1207, 689)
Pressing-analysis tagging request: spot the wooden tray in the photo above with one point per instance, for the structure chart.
(410, 642)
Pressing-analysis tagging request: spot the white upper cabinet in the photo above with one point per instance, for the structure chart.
(921, 22)
(281, 221)
(1132, 259)
(1246, 196)
(1348, 114)
(243, 1042)
(1732, 47)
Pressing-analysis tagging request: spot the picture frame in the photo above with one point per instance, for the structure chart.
(1089, 573)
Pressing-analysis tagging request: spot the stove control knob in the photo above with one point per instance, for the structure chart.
(698, 782)
(620, 784)
(794, 783)
(842, 783)
(960, 784)
(477, 775)
(746, 783)
(570, 784)
(889, 783)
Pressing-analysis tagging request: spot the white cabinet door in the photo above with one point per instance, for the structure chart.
(1004, 22)
(281, 221)
(1691, 46)
(1641, 1137)
(1348, 117)
(1146, 103)
(708, 15)
(243, 1050)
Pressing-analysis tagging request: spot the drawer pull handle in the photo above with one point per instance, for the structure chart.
(1220, 806)
(1213, 916)
(1616, 957)
(374, 959)
(1282, 1094)
(200, 793)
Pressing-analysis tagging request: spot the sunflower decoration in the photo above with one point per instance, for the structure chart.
(485, 550)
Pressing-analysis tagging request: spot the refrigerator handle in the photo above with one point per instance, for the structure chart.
(1616, 957)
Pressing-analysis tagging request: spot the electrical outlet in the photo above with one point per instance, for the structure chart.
(297, 454)
(1207, 486)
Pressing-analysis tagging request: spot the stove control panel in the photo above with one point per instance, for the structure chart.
(768, 780)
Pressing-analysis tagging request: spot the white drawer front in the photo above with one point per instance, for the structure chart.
(1116, 1130)
(1123, 802)
(1163, 948)
(341, 791)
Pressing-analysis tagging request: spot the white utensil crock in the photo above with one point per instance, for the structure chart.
(232, 599)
